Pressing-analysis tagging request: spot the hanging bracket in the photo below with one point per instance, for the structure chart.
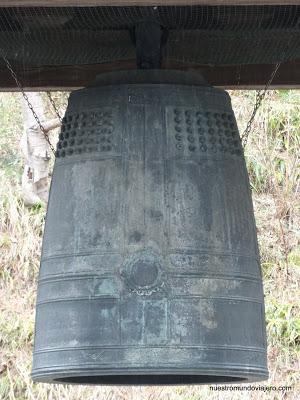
(149, 39)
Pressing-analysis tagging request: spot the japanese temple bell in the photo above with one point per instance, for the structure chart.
(150, 268)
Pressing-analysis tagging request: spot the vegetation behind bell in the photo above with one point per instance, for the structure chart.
(150, 268)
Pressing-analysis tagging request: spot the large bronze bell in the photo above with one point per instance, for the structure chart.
(150, 268)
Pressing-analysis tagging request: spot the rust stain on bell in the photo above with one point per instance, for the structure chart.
(150, 268)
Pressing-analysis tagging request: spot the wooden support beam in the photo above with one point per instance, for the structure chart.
(91, 3)
(72, 77)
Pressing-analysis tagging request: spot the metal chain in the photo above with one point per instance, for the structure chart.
(238, 74)
(260, 95)
(54, 106)
(18, 83)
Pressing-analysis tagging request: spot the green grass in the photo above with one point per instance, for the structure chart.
(283, 324)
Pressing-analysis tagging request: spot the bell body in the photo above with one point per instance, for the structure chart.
(150, 268)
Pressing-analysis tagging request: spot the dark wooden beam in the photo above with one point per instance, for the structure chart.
(72, 77)
(86, 3)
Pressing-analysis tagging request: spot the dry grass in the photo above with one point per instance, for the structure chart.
(273, 162)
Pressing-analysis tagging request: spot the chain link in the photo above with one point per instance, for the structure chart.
(18, 83)
(260, 95)
(238, 74)
(54, 106)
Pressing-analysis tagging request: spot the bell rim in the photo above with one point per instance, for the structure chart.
(148, 377)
